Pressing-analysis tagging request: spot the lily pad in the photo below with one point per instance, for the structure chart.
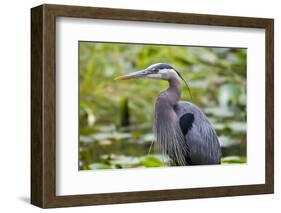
(99, 166)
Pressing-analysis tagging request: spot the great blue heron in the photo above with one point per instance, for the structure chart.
(182, 130)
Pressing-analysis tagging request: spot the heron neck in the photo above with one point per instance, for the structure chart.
(175, 89)
(172, 95)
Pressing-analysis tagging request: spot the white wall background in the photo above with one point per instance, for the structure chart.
(15, 105)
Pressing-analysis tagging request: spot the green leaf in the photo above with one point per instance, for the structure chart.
(151, 161)
(233, 160)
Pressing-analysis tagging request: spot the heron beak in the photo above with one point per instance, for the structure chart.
(138, 74)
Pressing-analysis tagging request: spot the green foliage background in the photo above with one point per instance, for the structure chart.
(116, 117)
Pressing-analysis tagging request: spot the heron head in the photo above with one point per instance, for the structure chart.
(155, 71)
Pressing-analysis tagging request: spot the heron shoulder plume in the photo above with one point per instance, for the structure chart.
(168, 134)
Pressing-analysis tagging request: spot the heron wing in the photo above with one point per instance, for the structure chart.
(199, 134)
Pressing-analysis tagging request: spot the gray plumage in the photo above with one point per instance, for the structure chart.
(182, 130)
(201, 138)
(200, 145)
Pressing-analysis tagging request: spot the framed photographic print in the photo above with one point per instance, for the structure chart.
(136, 106)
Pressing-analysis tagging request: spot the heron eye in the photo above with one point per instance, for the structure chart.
(155, 70)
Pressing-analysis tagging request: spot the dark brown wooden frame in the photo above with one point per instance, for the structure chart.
(43, 106)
